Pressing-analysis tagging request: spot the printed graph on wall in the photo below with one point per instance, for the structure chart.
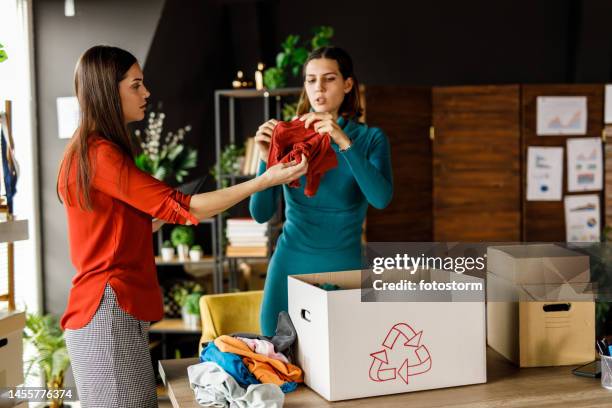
(608, 105)
(561, 115)
(544, 173)
(582, 220)
(584, 164)
(542, 221)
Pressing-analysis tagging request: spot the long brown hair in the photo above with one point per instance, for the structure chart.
(96, 82)
(351, 105)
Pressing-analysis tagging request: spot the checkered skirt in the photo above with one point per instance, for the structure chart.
(110, 358)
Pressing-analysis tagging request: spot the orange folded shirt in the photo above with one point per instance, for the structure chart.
(265, 369)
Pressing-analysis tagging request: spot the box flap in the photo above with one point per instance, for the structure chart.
(11, 322)
(534, 264)
(557, 293)
(344, 279)
(504, 290)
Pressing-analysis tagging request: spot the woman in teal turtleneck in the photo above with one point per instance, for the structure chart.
(323, 233)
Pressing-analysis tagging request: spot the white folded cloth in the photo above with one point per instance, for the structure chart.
(213, 387)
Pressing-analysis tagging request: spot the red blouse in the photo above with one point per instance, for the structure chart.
(113, 242)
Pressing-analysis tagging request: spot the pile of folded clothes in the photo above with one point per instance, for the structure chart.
(247, 370)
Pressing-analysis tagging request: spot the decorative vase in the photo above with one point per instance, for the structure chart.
(167, 254)
(183, 251)
(191, 321)
(195, 255)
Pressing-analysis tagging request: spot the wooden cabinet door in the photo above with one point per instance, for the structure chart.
(404, 114)
(476, 163)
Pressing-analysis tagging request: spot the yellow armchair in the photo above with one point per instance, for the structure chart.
(229, 313)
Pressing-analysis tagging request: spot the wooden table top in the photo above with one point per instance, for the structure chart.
(507, 386)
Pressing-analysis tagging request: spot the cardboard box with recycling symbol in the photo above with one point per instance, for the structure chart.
(353, 349)
(414, 356)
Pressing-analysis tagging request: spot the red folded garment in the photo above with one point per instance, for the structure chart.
(290, 140)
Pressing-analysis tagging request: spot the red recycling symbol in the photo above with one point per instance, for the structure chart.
(417, 361)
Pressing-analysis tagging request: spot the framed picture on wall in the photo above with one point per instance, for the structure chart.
(561, 115)
(67, 116)
(584, 164)
(608, 105)
(544, 173)
(582, 220)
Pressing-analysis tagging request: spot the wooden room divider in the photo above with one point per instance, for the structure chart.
(465, 180)
(476, 163)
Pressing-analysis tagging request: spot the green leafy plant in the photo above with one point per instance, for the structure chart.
(289, 110)
(169, 160)
(167, 244)
(197, 248)
(182, 290)
(321, 36)
(182, 235)
(293, 55)
(230, 163)
(47, 338)
(192, 303)
(3, 55)
(274, 78)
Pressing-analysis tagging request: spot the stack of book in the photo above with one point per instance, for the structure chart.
(252, 157)
(246, 238)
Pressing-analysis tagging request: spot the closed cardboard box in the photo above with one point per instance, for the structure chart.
(11, 348)
(353, 349)
(540, 311)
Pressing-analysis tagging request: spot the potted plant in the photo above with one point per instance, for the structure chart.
(182, 238)
(44, 334)
(195, 253)
(166, 158)
(230, 162)
(167, 251)
(293, 56)
(191, 311)
(182, 294)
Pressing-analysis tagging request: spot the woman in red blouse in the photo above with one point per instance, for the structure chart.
(110, 205)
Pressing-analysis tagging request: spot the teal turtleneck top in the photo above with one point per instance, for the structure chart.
(323, 233)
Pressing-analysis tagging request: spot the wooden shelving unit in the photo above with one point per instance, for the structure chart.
(227, 136)
(12, 321)
(205, 260)
(11, 229)
(168, 327)
(173, 326)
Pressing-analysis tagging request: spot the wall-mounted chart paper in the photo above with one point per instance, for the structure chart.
(544, 173)
(584, 164)
(608, 105)
(582, 221)
(67, 116)
(561, 115)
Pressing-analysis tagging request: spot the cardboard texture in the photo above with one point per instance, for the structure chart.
(11, 348)
(540, 309)
(352, 349)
